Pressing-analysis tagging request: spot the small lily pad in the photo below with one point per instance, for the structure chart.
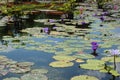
(79, 60)
(39, 71)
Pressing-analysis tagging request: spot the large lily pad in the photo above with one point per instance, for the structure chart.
(34, 77)
(84, 77)
(12, 78)
(61, 64)
(84, 56)
(93, 65)
(64, 58)
(111, 59)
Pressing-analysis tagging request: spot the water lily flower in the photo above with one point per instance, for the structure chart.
(94, 47)
(102, 18)
(45, 30)
(51, 20)
(115, 7)
(114, 52)
(82, 23)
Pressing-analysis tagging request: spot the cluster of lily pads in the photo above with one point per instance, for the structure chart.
(35, 74)
(8, 65)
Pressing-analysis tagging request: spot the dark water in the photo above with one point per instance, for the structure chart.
(42, 59)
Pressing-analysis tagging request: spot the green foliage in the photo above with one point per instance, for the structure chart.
(19, 8)
(61, 64)
(84, 77)
(68, 6)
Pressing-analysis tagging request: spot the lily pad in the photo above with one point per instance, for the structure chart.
(12, 78)
(39, 71)
(110, 59)
(61, 64)
(93, 65)
(34, 77)
(25, 64)
(84, 77)
(84, 56)
(79, 60)
(64, 58)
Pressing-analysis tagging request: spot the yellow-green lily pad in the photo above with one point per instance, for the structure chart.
(61, 64)
(64, 58)
(84, 77)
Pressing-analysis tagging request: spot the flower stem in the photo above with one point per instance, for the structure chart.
(114, 62)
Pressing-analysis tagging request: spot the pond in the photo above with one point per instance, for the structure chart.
(59, 52)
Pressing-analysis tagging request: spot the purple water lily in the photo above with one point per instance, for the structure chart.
(51, 20)
(46, 29)
(94, 47)
(102, 18)
(83, 23)
(115, 53)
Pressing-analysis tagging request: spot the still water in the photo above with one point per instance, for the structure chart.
(41, 58)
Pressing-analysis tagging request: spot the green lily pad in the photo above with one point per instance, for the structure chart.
(84, 77)
(79, 60)
(25, 64)
(114, 72)
(61, 64)
(110, 59)
(64, 58)
(93, 65)
(84, 56)
(12, 78)
(39, 71)
(34, 77)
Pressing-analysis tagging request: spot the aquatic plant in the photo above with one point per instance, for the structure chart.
(94, 47)
(102, 18)
(84, 77)
(64, 58)
(61, 64)
(115, 53)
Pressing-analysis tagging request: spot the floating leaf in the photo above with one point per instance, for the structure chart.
(34, 77)
(84, 77)
(79, 60)
(61, 64)
(110, 59)
(39, 71)
(64, 58)
(12, 78)
(84, 56)
(114, 72)
(93, 65)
